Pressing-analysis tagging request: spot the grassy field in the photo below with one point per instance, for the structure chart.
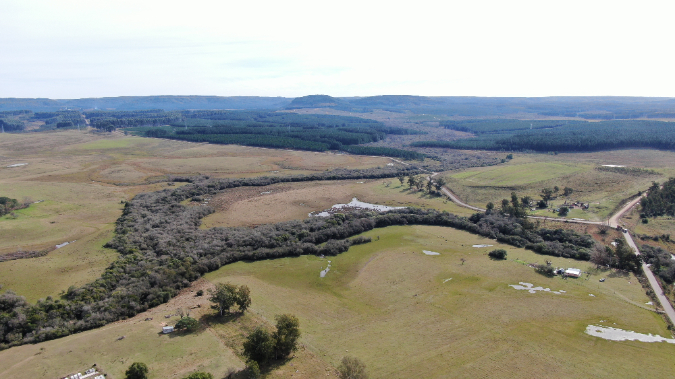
(528, 174)
(83, 177)
(284, 202)
(167, 355)
(407, 314)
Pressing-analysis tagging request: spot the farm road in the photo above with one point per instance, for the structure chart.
(613, 222)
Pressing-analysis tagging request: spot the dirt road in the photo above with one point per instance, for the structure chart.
(613, 222)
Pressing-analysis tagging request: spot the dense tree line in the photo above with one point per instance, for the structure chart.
(661, 261)
(660, 200)
(487, 126)
(11, 125)
(163, 250)
(573, 138)
(111, 120)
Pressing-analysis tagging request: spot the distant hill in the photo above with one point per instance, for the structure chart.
(128, 103)
(589, 107)
(317, 101)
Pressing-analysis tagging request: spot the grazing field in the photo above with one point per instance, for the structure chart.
(293, 201)
(167, 355)
(528, 174)
(83, 177)
(408, 314)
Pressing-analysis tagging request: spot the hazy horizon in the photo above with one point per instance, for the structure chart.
(76, 49)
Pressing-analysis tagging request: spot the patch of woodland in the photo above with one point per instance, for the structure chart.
(660, 200)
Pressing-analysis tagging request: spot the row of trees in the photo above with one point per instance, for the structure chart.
(586, 137)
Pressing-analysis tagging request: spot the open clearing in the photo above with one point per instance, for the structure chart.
(407, 314)
(83, 177)
(528, 174)
(294, 201)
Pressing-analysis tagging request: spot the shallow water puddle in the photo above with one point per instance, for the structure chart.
(529, 287)
(355, 203)
(614, 334)
(325, 271)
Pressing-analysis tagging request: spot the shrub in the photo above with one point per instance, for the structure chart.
(199, 375)
(497, 254)
(352, 368)
(187, 323)
(137, 370)
(545, 270)
(252, 370)
(259, 346)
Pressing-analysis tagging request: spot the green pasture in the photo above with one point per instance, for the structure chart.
(407, 314)
(166, 355)
(528, 174)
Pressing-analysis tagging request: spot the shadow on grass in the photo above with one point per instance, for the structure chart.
(217, 318)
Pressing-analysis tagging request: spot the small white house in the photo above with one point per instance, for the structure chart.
(574, 272)
(167, 329)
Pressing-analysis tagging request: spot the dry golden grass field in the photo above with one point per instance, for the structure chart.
(293, 201)
(82, 178)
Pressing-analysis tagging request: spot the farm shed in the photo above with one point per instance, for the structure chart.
(167, 329)
(574, 272)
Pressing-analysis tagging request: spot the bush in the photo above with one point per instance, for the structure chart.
(137, 370)
(252, 370)
(563, 211)
(645, 221)
(497, 254)
(352, 368)
(259, 346)
(287, 334)
(200, 293)
(545, 270)
(187, 323)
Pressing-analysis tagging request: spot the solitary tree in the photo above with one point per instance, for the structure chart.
(352, 368)
(287, 335)
(567, 191)
(227, 295)
(137, 370)
(243, 299)
(259, 346)
(440, 182)
(401, 178)
(412, 181)
(546, 195)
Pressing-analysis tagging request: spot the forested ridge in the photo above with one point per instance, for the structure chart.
(162, 250)
(275, 130)
(573, 137)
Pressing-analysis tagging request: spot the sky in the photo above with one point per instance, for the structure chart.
(75, 49)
